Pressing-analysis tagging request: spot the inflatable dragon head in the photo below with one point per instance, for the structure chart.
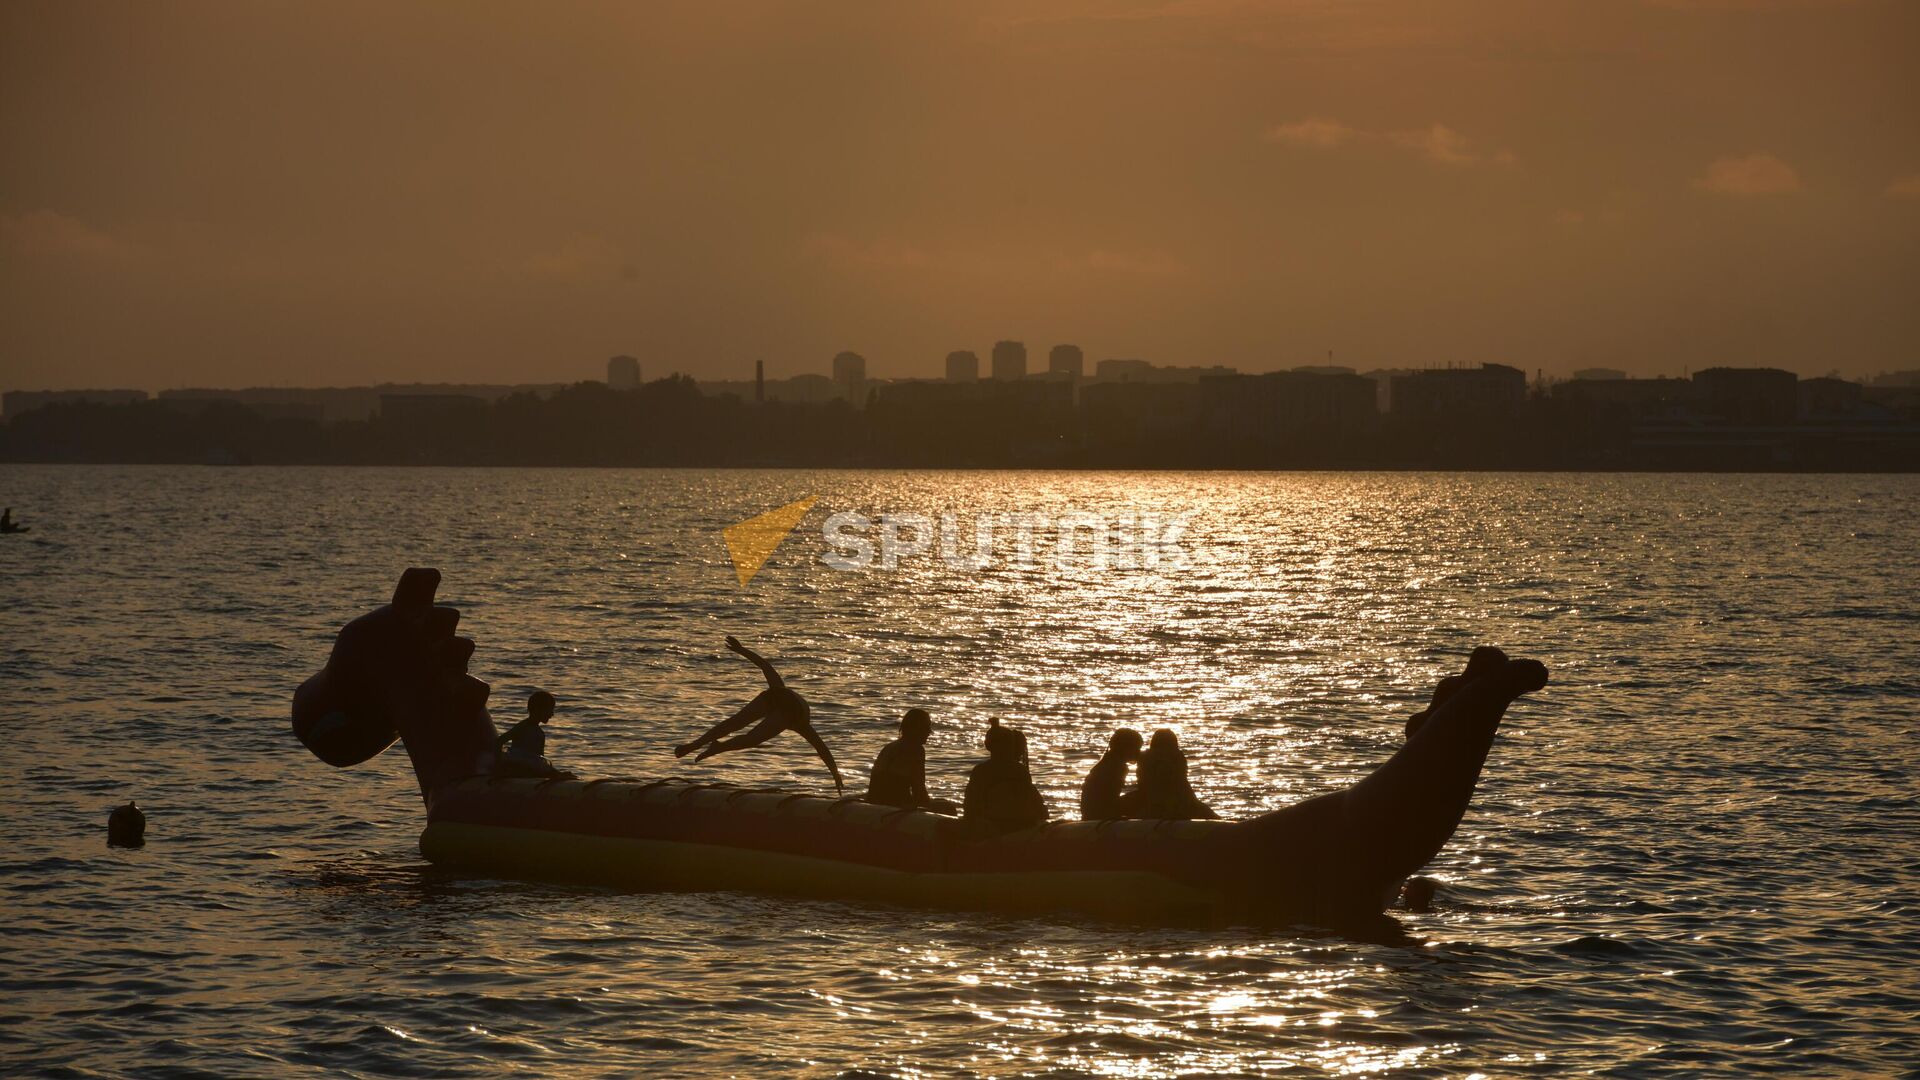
(399, 672)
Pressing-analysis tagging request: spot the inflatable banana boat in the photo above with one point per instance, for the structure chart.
(399, 673)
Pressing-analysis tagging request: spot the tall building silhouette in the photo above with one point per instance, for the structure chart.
(1067, 360)
(850, 376)
(963, 366)
(1009, 360)
(1453, 392)
(623, 373)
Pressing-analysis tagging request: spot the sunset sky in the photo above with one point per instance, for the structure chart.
(335, 193)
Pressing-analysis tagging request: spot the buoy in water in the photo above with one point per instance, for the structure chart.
(127, 826)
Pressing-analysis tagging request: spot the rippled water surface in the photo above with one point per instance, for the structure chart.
(1698, 851)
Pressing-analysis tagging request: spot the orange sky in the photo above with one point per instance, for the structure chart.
(334, 193)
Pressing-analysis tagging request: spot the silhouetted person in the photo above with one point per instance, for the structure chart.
(127, 826)
(1163, 792)
(7, 524)
(523, 747)
(1000, 796)
(777, 709)
(899, 776)
(1100, 795)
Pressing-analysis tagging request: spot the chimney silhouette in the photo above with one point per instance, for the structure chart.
(759, 381)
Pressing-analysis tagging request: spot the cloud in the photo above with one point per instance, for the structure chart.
(1437, 143)
(1314, 131)
(1445, 146)
(1755, 174)
(1907, 187)
(48, 232)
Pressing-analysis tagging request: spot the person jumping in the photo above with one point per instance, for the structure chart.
(777, 709)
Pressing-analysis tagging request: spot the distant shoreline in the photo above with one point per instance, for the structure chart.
(1469, 421)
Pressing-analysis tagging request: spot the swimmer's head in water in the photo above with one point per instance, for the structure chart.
(540, 706)
(1125, 741)
(917, 724)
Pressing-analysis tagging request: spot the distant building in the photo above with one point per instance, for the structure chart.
(1123, 370)
(265, 404)
(1297, 410)
(623, 373)
(929, 393)
(1599, 374)
(1132, 422)
(1636, 398)
(963, 366)
(15, 402)
(1490, 389)
(1323, 369)
(1383, 385)
(1828, 399)
(349, 402)
(850, 376)
(809, 389)
(1067, 360)
(406, 408)
(1748, 396)
(1009, 360)
(1143, 371)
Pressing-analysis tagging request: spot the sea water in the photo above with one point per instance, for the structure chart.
(1696, 852)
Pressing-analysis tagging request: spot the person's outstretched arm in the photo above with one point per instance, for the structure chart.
(773, 677)
(826, 755)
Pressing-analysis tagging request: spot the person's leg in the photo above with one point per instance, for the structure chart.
(753, 710)
(768, 728)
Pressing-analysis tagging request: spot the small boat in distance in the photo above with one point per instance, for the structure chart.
(400, 673)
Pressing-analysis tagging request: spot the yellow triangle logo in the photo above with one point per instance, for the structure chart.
(751, 543)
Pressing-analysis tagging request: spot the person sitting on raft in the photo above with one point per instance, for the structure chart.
(1101, 794)
(1000, 795)
(523, 747)
(777, 709)
(1163, 792)
(7, 524)
(899, 775)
